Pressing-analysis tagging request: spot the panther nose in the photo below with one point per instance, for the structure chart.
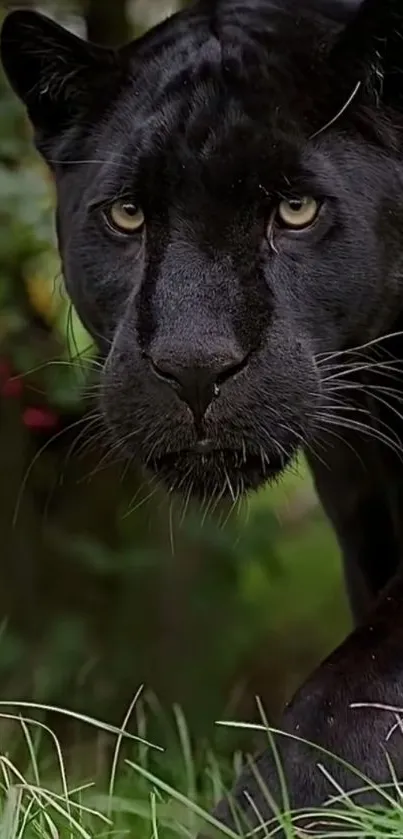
(198, 383)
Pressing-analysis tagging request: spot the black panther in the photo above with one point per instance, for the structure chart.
(230, 223)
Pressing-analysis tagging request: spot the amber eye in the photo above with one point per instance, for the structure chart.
(297, 213)
(125, 217)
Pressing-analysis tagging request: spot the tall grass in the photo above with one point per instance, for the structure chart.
(154, 794)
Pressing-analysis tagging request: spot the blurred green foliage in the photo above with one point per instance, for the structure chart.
(104, 584)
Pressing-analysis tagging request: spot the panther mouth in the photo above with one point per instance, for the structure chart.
(205, 471)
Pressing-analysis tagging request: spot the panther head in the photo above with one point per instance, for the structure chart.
(229, 213)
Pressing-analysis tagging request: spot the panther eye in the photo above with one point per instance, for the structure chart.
(125, 217)
(297, 213)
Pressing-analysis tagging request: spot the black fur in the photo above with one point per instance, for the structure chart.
(339, 708)
(230, 341)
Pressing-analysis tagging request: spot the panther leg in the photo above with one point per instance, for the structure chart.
(366, 668)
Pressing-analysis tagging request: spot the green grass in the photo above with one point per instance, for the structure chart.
(152, 794)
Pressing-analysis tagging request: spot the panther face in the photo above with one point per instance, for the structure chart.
(224, 199)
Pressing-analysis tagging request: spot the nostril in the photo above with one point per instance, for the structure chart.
(231, 370)
(196, 381)
(227, 371)
(164, 374)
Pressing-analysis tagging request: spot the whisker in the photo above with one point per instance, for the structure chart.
(368, 344)
(344, 441)
(88, 427)
(339, 113)
(171, 527)
(186, 500)
(366, 411)
(355, 425)
(229, 485)
(35, 459)
(376, 365)
(133, 509)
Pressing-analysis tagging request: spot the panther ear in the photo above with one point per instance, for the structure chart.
(370, 51)
(56, 75)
